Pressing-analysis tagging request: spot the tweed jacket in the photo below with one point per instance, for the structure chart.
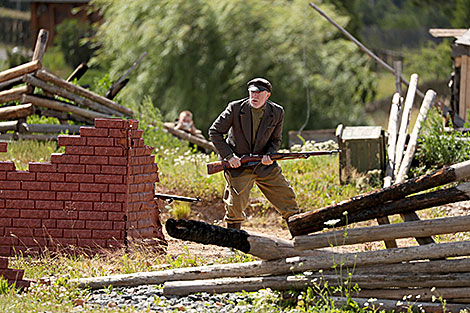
(235, 122)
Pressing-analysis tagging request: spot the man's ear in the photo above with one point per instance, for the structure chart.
(269, 95)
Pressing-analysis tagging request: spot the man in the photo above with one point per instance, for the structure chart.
(185, 122)
(252, 125)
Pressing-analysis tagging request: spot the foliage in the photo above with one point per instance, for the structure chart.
(16, 56)
(461, 14)
(432, 62)
(437, 147)
(70, 41)
(202, 53)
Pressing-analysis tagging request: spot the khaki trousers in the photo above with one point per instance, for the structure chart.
(274, 186)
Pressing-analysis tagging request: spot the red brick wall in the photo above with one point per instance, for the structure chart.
(99, 193)
(13, 276)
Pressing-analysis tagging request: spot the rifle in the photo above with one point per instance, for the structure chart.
(249, 160)
(171, 198)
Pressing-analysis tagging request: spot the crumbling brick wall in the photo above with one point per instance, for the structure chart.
(99, 193)
(12, 275)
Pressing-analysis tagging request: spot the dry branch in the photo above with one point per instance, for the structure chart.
(16, 111)
(59, 82)
(61, 106)
(384, 232)
(14, 94)
(19, 70)
(304, 223)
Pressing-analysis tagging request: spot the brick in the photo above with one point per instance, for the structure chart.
(64, 186)
(3, 147)
(116, 179)
(138, 143)
(12, 274)
(79, 150)
(71, 168)
(13, 212)
(143, 178)
(2, 203)
(149, 168)
(42, 167)
(51, 205)
(106, 234)
(121, 142)
(93, 187)
(27, 222)
(8, 240)
(114, 169)
(3, 175)
(3, 263)
(117, 133)
(49, 223)
(117, 160)
(64, 195)
(97, 159)
(63, 242)
(5, 185)
(21, 175)
(105, 225)
(36, 214)
(5, 222)
(109, 122)
(49, 232)
(63, 215)
(86, 196)
(6, 251)
(35, 185)
(51, 177)
(136, 169)
(149, 188)
(7, 166)
(60, 158)
(107, 206)
(35, 242)
(92, 216)
(77, 233)
(119, 225)
(20, 204)
(13, 194)
(121, 197)
(109, 151)
(93, 132)
(92, 169)
(100, 141)
(91, 243)
(67, 140)
(116, 216)
(79, 205)
(42, 195)
(70, 224)
(107, 197)
(79, 178)
(121, 188)
(133, 124)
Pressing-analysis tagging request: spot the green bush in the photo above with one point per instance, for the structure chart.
(71, 41)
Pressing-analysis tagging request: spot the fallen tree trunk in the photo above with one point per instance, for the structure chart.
(224, 285)
(304, 223)
(47, 128)
(14, 94)
(386, 232)
(16, 111)
(283, 266)
(61, 106)
(49, 77)
(191, 138)
(262, 246)
(19, 70)
(30, 79)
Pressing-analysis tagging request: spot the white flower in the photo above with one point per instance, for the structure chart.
(399, 303)
(332, 222)
(372, 299)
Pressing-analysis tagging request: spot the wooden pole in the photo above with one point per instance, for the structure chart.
(47, 128)
(14, 94)
(16, 111)
(405, 121)
(69, 95)
(398, 67)
(61, 106)
(63, 115)
(188, 137)
(8, 126)
(403, 280)
(49, 77)
(411, 148)
(41, 44)
(304, 223)
(19, 70)
(78, 72)
(413, 294)
(393, 123)
(11, 83)
(283, 266)
(259, 245)
(384, 232)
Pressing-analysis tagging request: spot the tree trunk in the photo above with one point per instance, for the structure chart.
(304, 223)
(59, 82)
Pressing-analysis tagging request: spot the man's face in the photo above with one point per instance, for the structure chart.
(258, 98)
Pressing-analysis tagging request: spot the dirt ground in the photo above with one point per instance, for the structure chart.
(270, 223)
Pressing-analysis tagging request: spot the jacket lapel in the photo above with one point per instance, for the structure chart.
(245, 121)
(268, 116)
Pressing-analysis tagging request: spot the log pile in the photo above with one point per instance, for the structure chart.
(30, 89)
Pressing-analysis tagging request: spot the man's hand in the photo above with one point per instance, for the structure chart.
(234, 162)
(266, 160)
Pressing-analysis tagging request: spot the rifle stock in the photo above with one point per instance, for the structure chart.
(218, 166)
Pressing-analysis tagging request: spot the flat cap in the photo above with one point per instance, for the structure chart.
(259, 84)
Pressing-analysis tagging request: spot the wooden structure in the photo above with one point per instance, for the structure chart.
(460, 93)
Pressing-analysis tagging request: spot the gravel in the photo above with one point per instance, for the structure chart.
(150, 298)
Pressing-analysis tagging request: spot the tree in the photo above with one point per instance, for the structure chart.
(201, 53)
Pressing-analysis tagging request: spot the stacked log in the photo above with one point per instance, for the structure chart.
(30, 89)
